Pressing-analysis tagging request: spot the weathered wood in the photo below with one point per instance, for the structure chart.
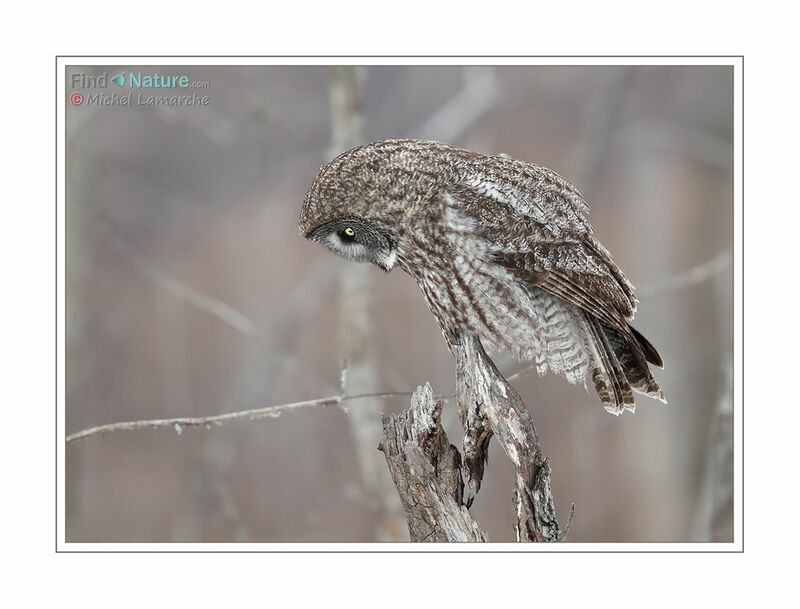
(489, 405)
(426, 470)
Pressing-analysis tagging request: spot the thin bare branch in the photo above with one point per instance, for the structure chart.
(674, 136)
(520, 373)
(256, 413)
(698, 274)
(222, 311)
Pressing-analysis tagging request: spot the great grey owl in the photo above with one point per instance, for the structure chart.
(500, 248)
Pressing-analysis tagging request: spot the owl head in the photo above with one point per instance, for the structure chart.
(357, 239)
(363, 204)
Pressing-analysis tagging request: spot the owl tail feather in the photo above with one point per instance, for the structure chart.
(621, 366)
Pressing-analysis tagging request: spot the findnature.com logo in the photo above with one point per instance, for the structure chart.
(135, 81)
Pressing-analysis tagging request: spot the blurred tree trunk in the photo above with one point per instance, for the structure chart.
(357, 337)
(713, 520)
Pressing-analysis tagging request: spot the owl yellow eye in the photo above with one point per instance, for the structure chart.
(347, 234)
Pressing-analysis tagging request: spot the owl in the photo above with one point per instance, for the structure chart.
(500, 248)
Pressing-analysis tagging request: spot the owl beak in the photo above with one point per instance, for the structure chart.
(386, 260)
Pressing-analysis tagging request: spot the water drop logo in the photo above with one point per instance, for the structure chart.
(119, 79)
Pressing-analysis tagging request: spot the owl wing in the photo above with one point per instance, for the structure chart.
(599, 295)
(536, 227)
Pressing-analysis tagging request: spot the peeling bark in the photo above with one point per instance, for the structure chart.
(426, 470)
(488, 405)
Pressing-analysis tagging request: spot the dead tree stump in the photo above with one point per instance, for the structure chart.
(427, 470)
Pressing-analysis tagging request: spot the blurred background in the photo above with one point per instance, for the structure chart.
(191, 293)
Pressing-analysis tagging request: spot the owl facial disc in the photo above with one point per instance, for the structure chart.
(356, 239)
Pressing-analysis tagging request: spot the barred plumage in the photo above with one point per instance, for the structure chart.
(499, 247)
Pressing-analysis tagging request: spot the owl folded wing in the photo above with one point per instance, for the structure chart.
(550, 245)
